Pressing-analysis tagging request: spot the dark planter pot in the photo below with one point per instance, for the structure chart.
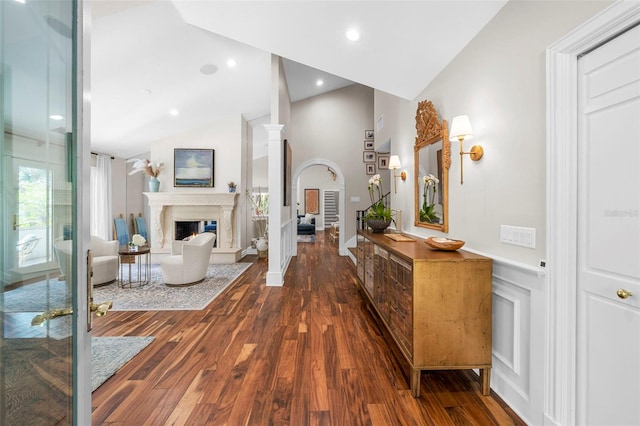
(378, 225)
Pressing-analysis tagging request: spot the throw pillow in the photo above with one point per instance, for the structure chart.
(307, 219)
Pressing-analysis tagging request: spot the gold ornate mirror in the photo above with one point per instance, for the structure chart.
(432, 159)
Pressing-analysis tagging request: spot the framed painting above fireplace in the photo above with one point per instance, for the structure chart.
(193, 168)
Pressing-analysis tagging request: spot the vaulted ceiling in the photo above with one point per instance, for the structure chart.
(151, 57)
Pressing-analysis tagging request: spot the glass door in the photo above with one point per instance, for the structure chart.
(39, 339)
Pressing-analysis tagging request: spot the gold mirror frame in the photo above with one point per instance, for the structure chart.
(430, 130)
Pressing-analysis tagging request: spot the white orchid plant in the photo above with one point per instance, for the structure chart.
(427, 212)
(377, 210)
(149, 168)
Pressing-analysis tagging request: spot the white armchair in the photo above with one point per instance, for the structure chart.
(190, 265)
(105, 259)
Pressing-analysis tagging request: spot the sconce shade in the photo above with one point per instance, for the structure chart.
(461, 128)
(394, 162)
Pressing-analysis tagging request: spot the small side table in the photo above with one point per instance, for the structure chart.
(135, 257)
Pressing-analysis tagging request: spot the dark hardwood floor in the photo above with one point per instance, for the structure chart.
(307, 353)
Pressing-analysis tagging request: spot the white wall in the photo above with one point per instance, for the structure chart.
(260, 176)
(499, 80)
(331, 126)
(227, 136)
(222, 134)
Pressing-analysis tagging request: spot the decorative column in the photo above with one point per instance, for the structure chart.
(275, 274)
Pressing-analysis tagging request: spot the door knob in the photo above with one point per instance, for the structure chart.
(623, 294)
(100, 308)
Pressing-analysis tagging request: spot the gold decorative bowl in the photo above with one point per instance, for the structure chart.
(446, 244)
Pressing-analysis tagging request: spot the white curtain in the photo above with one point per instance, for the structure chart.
(101, 207)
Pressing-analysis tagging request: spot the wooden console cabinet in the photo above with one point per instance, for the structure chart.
(435, 304)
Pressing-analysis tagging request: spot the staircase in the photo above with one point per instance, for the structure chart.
(330, 208)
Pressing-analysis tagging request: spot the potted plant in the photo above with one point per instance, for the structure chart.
(232, 186)
(378, 216)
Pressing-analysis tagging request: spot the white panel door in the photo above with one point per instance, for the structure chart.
(608, 273)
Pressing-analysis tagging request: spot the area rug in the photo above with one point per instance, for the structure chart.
(306, 238)
(155, 296)
(110, 354)
(37, 383)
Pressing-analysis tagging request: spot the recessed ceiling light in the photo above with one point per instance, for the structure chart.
(319, 82)
(56, 117)
(145, 92)
(231, 63)
(174, 112)
(208, 69)
(353, 34)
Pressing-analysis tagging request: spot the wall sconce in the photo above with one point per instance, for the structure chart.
(461, 130)
(394, 164)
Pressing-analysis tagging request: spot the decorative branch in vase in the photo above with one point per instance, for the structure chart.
(259, 211)
(149, 168)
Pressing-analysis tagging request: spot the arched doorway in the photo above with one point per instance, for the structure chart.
(341, 197)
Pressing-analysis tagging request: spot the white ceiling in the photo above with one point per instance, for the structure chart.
(147, 55)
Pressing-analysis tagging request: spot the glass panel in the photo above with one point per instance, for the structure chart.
(33, 221)
(36, 220)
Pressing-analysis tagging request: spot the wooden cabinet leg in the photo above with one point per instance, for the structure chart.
(485, 380)
(415, 382)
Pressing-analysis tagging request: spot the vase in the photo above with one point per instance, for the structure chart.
(378, 225)
(154, 184)
(232, 189)
(262, 246)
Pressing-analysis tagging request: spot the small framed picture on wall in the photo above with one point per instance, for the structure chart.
(369, 157)
(383, 161)
(370, 168)
(368, 134)
(368, 145)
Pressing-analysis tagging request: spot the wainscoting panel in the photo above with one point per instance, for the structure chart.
(518, 330)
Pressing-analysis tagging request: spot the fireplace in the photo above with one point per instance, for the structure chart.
(186, 228)
(167, 208)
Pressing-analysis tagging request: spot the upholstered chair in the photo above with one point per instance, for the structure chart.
(105, 259)
(189, 265)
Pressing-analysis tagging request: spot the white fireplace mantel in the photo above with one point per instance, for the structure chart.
(167, 207)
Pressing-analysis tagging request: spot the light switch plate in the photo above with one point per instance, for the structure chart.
(518, 236)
